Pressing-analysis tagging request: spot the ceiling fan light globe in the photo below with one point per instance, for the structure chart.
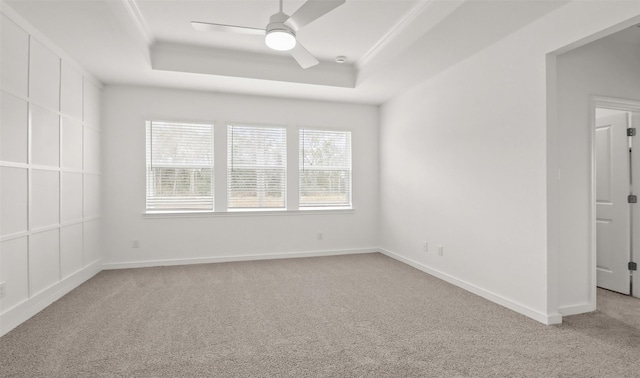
(280, 40)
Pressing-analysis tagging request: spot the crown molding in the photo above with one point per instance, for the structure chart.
(395, 31)
(131, 18)
(139, 21)
(402, 39)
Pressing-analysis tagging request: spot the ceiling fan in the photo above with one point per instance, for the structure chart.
(280, 33)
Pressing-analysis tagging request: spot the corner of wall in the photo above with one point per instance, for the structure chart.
(544, 318)
(20, 313)
(50, 164)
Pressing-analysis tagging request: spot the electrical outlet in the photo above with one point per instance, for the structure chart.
(425, 246)
(320, 236)
(2, 284)
(135, 244)
(440, 250)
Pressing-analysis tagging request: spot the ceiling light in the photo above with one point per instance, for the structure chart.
(281, 40)
(341, 59)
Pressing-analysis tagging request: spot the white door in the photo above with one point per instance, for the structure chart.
(635, 209)
(613, 232)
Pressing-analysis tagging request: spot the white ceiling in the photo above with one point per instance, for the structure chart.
(390, 45)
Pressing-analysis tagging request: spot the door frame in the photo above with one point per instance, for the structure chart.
(614, 103)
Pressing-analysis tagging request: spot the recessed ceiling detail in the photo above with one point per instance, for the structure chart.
(220, 62)
(391, 45)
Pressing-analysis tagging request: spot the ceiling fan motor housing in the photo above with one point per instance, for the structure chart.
(280, 36)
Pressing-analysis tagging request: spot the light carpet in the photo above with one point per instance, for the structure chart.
(342, 316)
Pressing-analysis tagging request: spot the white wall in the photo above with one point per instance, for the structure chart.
(464, 165)
(172, 240)
(49, 158)
(607, 67)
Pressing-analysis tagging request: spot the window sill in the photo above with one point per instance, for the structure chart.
(246, 213)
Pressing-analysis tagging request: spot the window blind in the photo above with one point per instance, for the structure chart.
(256, 167)
(179, 167)
(325, 168)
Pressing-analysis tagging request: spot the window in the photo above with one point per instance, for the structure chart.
(325, 168)
(180, 160)
(179, 167)
(256, 167)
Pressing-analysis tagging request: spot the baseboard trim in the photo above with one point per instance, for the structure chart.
(16, 315)
(21, 312)
(577, 309)
(209, 260)
(547, 319)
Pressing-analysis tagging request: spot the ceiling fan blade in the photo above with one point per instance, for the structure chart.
(311, 11)
(303, 57)
(206, 26)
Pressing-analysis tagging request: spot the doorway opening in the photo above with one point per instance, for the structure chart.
(579, 75)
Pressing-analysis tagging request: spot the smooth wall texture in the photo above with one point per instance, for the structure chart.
(47, 214)
(608, 67)
(464, 164)
(175, 239)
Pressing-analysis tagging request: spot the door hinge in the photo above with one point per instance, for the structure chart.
(633, 266)
(632, 198)
(631, 131)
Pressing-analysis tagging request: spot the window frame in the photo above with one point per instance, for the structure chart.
(228, 163)
(350, 169)
(149, 157)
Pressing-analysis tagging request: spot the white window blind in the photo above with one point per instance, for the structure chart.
(256, 167)
(325, 168)
(179, 167)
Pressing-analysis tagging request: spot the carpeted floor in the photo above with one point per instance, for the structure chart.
(342, 316)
